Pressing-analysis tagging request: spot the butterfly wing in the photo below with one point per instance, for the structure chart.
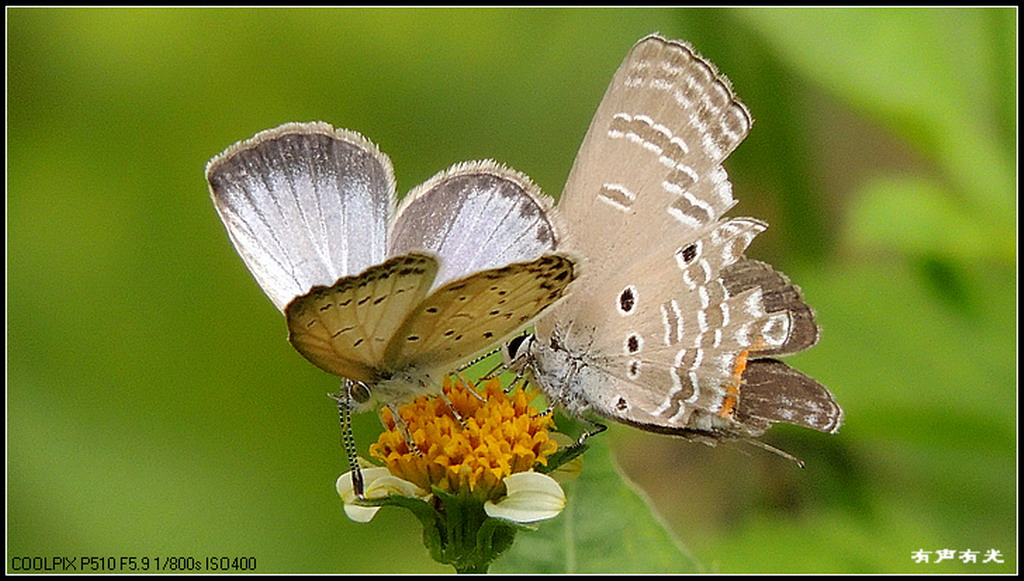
(691, 354)
(668, 316)
(475, 216)
(777, 294)
(473, 313)
(775, 392)
(648, 179)
(304, 204)
(649, 173)
(345, 328)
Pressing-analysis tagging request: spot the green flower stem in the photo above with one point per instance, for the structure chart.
(457, 531)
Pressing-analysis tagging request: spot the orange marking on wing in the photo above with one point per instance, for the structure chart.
(740, 367)
(732, 390)
(728, 405)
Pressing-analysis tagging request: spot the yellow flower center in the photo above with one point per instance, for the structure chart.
(500, 434)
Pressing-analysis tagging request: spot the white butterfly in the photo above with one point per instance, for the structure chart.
(391, 301)
(670, 328)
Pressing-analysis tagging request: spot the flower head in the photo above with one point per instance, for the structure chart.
(463, 461)
(493, 436)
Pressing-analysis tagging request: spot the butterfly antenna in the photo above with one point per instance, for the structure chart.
(348, 440)
(597, 429)
(473, 362)
(774, 450)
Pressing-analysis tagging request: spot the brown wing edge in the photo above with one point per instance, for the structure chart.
(775, 392)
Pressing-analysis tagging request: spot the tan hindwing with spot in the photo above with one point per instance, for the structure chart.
(345, 328)
(475, 312)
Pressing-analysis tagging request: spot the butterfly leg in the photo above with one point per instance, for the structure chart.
(348, 440)
(465, 384)
(575, 449)
(455, 412)
(515, 383)
(494, 372)
(404, 428)
(498, 370)
(478, 360)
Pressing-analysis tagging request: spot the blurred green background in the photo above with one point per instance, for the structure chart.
(155, 408)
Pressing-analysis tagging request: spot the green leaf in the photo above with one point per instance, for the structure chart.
(938, 77)
(608, 526)
(919, 218)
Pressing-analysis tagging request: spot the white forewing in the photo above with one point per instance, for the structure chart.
(474, 216)
(304, 204)
(393, 300)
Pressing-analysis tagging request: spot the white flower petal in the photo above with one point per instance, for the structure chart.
(531, 497)
(344, 485)
(377, 483)
(388, 485)
(360, 514)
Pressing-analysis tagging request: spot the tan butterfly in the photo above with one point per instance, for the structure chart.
(390, 300)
